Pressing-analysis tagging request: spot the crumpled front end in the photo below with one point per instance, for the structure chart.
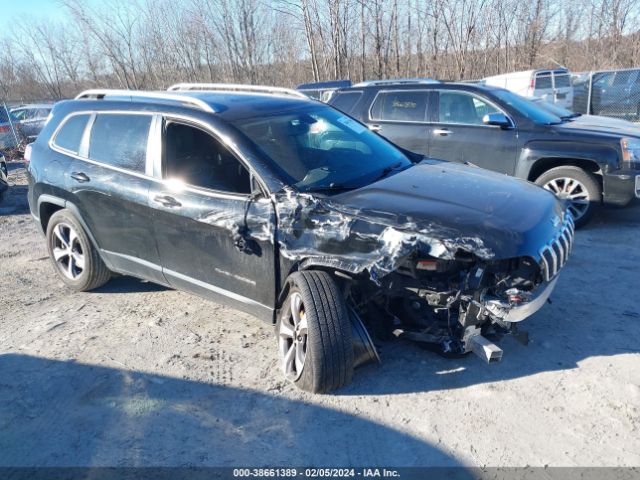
(425, 281)
(452, 306)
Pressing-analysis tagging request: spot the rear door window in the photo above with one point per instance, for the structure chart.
(346, 101)
(543, 81)
(120, 140)
(563, 81)
(402, 106)
(70, 134)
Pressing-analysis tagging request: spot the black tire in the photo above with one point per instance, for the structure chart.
(588, 184)
(94, 273)
(328, 361)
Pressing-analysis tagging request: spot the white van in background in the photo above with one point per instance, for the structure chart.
(553, 86)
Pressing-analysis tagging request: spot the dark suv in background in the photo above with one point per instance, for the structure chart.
(499, 130)
(294, 212)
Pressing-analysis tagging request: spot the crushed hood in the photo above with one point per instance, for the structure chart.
(511, 217)
(435, 207)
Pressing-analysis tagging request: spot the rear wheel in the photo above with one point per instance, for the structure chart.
(74, 257)
(575, 185)
(314, 334)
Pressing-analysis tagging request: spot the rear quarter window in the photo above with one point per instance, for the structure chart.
(346, 101)
(402, 106)
(70, 134)
(120, 140)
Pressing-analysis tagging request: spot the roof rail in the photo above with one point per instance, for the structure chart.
(101, 93)
(395, 81)
(234, 87)
(331, 84)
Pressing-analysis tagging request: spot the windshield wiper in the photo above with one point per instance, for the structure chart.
(387, 170)
(571, 117)
(334, 187)
(339, 187)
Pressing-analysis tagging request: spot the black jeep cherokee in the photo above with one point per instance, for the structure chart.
(501, 131)
(290, 210)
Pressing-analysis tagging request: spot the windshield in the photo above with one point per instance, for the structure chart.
(319, 148)
(526, 107)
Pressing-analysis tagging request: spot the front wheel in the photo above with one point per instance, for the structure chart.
(579, 187)
(74, 257)
(314, 334)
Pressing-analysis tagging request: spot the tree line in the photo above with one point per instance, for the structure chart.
(150, 44)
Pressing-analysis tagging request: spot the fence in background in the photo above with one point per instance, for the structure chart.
(611, 93)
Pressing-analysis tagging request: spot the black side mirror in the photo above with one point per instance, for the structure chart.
(497, 119)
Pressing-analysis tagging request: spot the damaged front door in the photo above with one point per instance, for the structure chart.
(214, 234)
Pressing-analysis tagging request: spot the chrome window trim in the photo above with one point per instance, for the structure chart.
(392, 90)
(471, 94)
(157, 162)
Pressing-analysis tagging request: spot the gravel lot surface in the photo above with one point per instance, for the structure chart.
(135, 374)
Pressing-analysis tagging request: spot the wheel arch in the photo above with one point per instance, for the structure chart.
(50, 204)
(545, 164)
(330, 265)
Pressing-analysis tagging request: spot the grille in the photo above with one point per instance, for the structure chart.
(555, 254)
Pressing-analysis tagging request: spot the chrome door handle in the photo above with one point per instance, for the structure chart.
(80, 177)
(443, 132)
(374, 128)
(167, 201)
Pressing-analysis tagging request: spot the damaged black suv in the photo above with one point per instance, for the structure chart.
(290, 210)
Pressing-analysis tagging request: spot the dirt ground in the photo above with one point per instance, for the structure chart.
(135, 374)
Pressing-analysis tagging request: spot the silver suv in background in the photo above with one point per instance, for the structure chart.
(32, 118)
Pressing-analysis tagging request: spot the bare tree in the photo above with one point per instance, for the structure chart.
(153, 43)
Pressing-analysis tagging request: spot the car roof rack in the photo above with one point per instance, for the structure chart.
(331, 84)
(234, 87)
(396, 81)
(102, 93)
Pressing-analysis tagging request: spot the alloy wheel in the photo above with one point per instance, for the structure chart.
(572, 190)
(292, 338)
(67, 251)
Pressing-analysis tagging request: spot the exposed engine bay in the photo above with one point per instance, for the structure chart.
(451, 306)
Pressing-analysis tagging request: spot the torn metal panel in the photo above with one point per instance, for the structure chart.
(432, 267)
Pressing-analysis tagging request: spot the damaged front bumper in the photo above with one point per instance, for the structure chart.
(516, 313)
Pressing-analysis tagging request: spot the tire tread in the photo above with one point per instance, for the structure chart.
(330, 357)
